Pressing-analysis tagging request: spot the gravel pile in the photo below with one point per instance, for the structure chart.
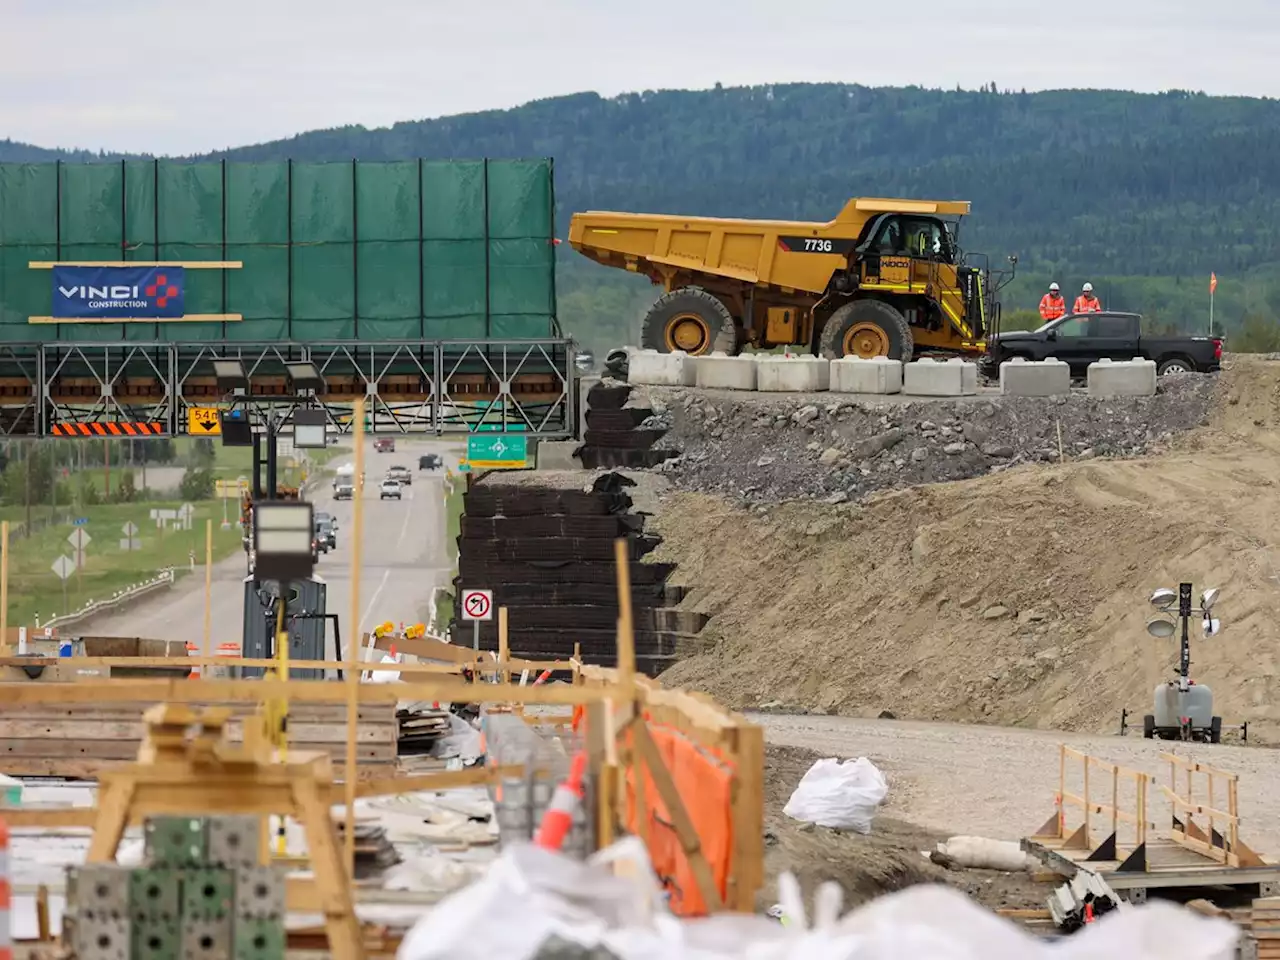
(769, 447)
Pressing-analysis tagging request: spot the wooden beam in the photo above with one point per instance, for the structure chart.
(747, 816)
(352, 675)
(302, 691)
(4, 588)
(184, 662)
(188, 318)
(185, 264)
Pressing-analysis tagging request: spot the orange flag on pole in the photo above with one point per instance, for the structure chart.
(1213, 282)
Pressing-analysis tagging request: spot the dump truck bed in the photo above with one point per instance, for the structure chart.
(795, 254)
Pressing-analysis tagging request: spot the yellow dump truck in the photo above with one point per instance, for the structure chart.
(884, 278)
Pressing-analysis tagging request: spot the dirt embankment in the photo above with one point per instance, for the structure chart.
(1016, 598)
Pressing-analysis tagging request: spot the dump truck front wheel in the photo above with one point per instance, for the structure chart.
(866, 328)
(689, 319)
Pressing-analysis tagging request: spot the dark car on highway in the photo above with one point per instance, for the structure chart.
(430, 461)
(1083, 338)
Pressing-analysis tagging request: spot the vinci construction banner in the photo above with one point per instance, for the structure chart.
(90, 293)
(381, 251)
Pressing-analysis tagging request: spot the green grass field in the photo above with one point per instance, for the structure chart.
(35, 589)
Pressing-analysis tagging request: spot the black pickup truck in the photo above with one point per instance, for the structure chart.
(1086, 337)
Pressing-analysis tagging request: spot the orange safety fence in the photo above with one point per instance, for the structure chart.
(704, 781)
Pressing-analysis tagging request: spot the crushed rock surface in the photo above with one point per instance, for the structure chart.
(769, 447)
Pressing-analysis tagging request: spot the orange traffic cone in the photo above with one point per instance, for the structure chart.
(194, 672)
(558, 818)
(543, 677)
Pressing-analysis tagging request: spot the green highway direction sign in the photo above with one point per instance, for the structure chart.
(497, 452)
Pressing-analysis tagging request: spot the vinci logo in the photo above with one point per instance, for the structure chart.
(118, 293)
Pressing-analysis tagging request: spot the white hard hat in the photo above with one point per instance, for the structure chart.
(1088, 288)
(1054, 286)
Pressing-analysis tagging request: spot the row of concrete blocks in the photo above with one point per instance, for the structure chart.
(770, 373)
(880, 375)
(1105, 378)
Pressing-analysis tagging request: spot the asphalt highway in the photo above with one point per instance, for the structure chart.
(403, 560)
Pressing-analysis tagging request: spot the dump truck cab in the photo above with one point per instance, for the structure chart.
(886, 277)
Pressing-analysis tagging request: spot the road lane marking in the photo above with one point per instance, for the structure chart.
(372, 600)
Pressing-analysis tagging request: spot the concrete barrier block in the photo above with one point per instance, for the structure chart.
(1122, 378)
(719, 371)
(1020, 377)
(792, 374)
(656, 369)
(930, 378)
(873, 375)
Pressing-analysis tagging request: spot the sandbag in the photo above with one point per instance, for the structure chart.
(983, 853)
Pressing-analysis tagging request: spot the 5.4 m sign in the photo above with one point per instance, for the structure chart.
(118, 293)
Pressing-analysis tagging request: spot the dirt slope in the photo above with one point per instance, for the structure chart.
(896, 604)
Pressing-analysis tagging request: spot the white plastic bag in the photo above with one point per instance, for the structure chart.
(385, 676)
(462, 741)
(842, 795)
(1153, 931)
(528, 896)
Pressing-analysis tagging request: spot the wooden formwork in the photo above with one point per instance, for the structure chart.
(735, 741)
(1107, 820)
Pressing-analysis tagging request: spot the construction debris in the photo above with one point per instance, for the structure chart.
(1085, 898)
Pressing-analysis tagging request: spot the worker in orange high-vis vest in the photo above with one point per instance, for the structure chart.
(1087, 302)
(1052, 304)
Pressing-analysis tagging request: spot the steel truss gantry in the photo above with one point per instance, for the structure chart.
(417, 386)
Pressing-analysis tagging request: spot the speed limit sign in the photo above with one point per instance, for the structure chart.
(477, 604)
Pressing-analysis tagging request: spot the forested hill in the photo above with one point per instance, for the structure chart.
(1095, 185)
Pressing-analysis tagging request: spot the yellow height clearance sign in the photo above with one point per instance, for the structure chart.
(203, 422)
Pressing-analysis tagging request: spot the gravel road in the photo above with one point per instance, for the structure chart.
(1000, 782)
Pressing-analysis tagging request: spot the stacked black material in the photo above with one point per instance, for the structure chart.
(374, 850)
(618, 435)
(548, 556)
(420, 727)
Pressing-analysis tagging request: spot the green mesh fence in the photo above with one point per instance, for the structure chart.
(419, 249)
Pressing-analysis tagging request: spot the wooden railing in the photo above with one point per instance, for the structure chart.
(1109, 777)
(1222, 841)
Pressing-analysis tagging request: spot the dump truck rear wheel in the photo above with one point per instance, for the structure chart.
(689, 319)
(867, 328)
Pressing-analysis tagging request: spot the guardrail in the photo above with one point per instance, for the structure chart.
(162, 580)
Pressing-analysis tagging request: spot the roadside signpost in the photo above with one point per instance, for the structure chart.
(79, 539)
(498, 452)
(162, 517)
(130, 541)
(64, 566)
(226, 490)
(477, 605)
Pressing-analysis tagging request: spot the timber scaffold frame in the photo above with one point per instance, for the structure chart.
(419, 386)
(617, 706)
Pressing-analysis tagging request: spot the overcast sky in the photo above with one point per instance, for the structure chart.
(182, 76)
